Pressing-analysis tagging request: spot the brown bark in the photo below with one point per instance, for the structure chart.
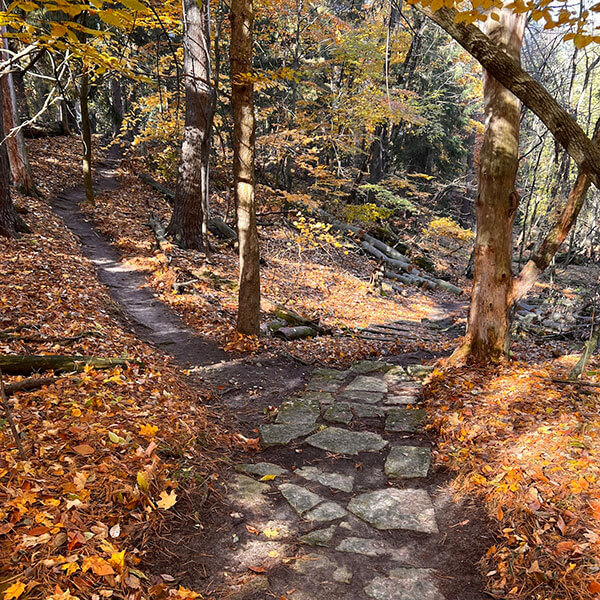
(242, 90)
(496, 205)
(86, 136)
(22, 175)
(116, 105)
(11, 224)
(188, 223)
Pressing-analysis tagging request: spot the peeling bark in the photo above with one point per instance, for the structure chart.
(495, 207)
(11, 224)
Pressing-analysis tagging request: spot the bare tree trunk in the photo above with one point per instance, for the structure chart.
(556, 236)
(496, 205)
(508, 71)
(11, 224)
(189, 218)
(242, 89)
(116, 107)
(22, 175)
(86, 135)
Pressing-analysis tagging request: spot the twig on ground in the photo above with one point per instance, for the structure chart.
(10, 419)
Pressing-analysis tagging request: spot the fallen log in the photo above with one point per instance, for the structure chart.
(215, 224)
(170, 194)
(391, 256)
(295, 333)
(10, 337)
(293, 318)
(17, 364)
(31, 383)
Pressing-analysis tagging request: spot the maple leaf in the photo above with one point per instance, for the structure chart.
(14, 591)
(167, 500)
(98, 565)
(148, 430)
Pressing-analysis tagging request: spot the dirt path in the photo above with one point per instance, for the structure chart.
(342, 503)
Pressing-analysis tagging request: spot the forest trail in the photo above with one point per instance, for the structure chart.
(151, 319)
(341, 503)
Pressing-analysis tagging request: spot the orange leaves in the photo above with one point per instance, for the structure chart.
(98, 565)
(534, 465)
(14, 591)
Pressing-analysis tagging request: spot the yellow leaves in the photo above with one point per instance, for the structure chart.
(142, 481)
(70, 567)
(579, 485)
(271, 532)
(167, 500)
(148, 430)
(14, 591)
(98, 565)
(268, 477)
(133, 5)
(117, 560)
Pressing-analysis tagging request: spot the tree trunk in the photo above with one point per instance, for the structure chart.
(509, 73)
(188, 223)
(86, 136)
(11, 224)
(496, 205)
(22, 175)
(242, 88)
(556, 236)
(116, 105)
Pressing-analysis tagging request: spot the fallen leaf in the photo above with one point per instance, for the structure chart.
(14, 591)
(167, 500)
(257, 569)
(84, 449)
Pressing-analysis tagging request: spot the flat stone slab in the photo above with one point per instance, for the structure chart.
(298, 411)
(323, 398)
(337, 481)
(339, 412)
(405, 584)
(370, 366)
(371, 547)
(405, 419)
(400, 399)
(342, 441)
(366, 411)
(323, 384)
(328, 511)
(279, 434)
(299, 498)
(261, 469)
(365, 546)
(407, 462)
(392, 508)
(334, 374)
(419, 370)
(248, 492)
(364, 383)
(342, 574)
(318, 537)
(358, 396)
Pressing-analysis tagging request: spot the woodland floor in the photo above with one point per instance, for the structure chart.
(147, 499)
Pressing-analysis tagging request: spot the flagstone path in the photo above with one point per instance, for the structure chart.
(355, 473)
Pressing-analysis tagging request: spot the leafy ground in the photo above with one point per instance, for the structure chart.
(110, 451)
(106, 450)
(316, 273)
